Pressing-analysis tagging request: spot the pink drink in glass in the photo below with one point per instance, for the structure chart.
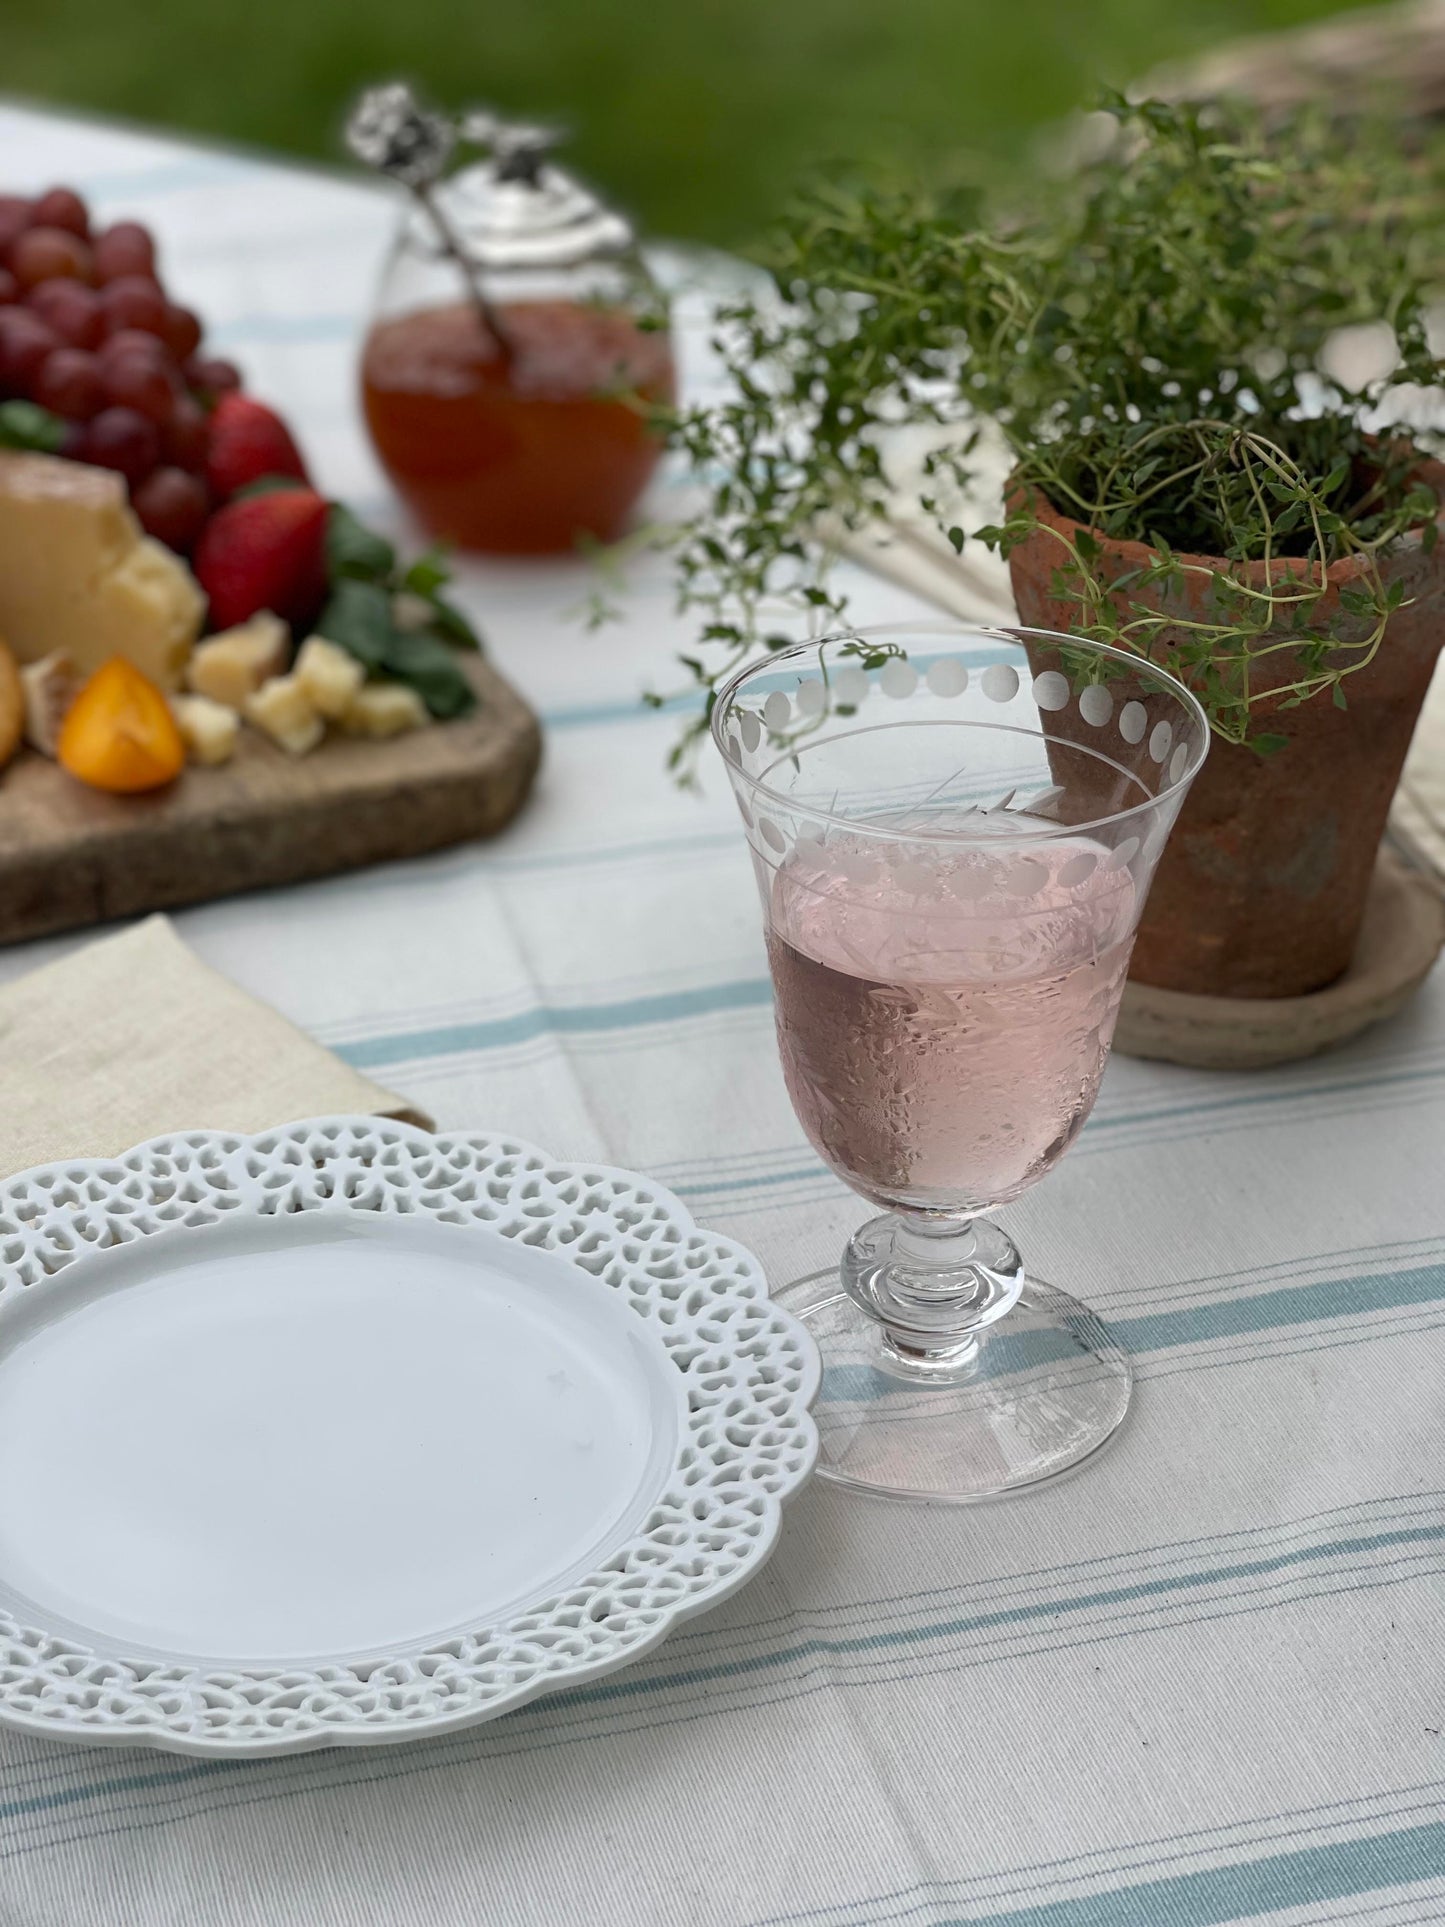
(944, 1013)
(953, 828)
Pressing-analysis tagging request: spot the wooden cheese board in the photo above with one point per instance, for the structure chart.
(71, 856)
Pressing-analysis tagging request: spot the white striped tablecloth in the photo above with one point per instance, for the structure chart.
(1204, 1682)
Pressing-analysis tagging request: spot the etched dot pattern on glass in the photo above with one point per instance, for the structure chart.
(1000, 682)
(1051, 690)
(1096, 705)
(948, 677)
(848, 687)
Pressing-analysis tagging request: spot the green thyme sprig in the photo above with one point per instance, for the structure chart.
(1148, 341)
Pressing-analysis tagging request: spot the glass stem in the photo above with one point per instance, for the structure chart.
(932, 1253)
(933, 1286)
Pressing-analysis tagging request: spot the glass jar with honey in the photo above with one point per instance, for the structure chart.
(517, 350)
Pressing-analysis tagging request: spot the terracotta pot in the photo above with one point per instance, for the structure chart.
(1261, 889)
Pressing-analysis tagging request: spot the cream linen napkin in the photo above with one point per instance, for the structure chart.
(134, 1036)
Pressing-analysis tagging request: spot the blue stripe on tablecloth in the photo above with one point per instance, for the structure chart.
(170, 177)
(1208, 1897)
(1297, 1305)
(546, 1710)
(1101, 1123)
(818, 1186)
(1211, 1553)
(1210, 1583)
(283, 329)
(1308, 1876)
(632, 710)
(586, 1696)
(1010, 1353)
(689, 701)
(661, 1007)
(1200, 1106)
(1392, 1254)
(757, 1181)
(336, 1772)
(1287, 1307)
(469, 860)
(319, 1773)
(1205, 1553)
(1241, 1841)
(1405, 1506)
(749, 993)
(970, 1625)
(689, 842)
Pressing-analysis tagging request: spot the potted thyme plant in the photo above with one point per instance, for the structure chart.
(1151, 345)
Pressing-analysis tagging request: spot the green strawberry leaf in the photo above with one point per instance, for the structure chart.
(352, 549)
(23, 424)
(358, 616)
(268, 486)
(432, 671)
(425, 577)
(451, 625)
(427, 574)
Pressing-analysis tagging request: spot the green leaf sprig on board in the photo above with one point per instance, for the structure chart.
(1147, 339)
(394, 620)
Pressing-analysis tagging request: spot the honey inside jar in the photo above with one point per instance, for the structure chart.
(522, 449)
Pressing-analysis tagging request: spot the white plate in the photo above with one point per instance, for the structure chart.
(346, 1434)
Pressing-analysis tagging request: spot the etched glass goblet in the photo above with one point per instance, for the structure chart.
(953, 830)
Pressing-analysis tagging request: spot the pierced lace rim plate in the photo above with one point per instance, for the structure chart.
(219, 1349)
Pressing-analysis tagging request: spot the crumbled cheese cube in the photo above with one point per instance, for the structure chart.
(384, 709)
(233, 665)
(286, 713)
(50, 686)
(208, 729)
(329, 674)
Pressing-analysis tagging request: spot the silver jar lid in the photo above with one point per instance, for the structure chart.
(515, 209)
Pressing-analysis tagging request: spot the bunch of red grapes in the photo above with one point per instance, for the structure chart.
(88, 332)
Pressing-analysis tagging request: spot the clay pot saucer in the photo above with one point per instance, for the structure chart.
(1401, 936)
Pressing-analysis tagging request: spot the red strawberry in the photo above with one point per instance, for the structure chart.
(248, 440)
(264, 552)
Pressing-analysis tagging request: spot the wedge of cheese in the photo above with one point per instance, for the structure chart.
(78, 575)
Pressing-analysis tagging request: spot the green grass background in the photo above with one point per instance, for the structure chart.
(698, 114)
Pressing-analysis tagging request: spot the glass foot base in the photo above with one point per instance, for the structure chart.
(1037, 1393)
